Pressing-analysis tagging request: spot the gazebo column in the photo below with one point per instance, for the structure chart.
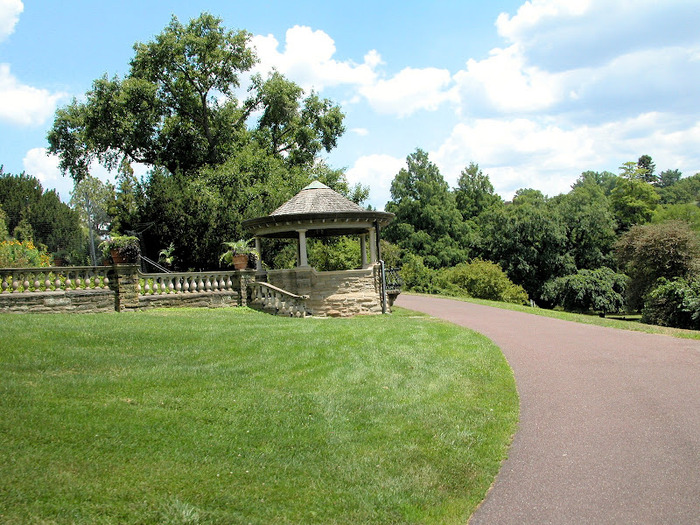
(363, 249)
(258, 248)
(302, 260)
(372, 245)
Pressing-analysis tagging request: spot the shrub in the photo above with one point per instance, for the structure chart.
(335, 253)
(649, 252)
(674, 303)
(515, 294)
(600, 290)
(417, 277)
(22, 254)
(485, 280)
(479, 279)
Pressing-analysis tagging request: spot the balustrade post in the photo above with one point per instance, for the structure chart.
(125, 285)
(244, 278)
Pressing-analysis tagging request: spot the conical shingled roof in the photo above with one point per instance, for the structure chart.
(319, 211)
(317, 198)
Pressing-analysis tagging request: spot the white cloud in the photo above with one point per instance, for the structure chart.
(44, 166)
(38, 163)
(588, 57)
(506, 83)
(524, 153)
(308, 60)
(409, 91)
(534, 14)
(571, 34)
(362, 132)
(9, 16)
(377, 171)
(22, 104)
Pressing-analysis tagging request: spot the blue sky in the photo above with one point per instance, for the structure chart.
(534, 92)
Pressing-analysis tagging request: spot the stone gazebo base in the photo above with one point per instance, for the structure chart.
(333, 294)
(319, 212)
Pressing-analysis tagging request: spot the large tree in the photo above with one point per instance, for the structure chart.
(647, 168)
(633, 198)
(528, 239)
(649, 252)
(177, 108)
(685, 190)
(216, 159)
(474, 192)
(590, 224)
(40, 214)
(92, 199)
(427, 221)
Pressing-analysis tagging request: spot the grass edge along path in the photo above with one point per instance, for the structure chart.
(612, 321)
(232, 416)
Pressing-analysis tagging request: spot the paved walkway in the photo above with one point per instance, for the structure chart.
(609, 421)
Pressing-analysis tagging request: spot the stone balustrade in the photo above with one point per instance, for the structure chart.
(296, 293)
(117, 288)
(272, 299)
(192, 289)
(54, 279)
(189, 282)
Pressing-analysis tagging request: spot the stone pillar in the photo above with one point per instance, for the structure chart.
(363, 249)
(258, 248)
(303, 260)
(126, 287)
(372, 245)
(244, 278)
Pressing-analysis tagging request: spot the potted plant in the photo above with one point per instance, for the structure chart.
(239, 255)
(121, 249)
(166, 257)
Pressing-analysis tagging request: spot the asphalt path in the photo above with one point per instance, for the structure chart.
(609, 427)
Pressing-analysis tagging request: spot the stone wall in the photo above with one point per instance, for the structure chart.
(116, 288)
(333, 294)
(123, 288)
(70, 301)
(193, 300)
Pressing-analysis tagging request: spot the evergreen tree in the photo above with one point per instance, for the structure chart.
(427, 221)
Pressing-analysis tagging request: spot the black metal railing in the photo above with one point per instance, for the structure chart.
(393, 280)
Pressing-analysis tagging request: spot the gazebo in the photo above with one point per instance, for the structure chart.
(318, 211)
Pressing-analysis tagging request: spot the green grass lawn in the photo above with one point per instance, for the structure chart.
(233, 416)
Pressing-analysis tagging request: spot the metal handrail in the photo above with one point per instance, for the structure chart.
(155, 264)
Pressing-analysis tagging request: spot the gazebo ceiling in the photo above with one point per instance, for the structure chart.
(321, 212)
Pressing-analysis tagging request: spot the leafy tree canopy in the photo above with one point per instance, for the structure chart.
(529, 242)
(668, 178)
(216, 159)
(590, 223)
(633, 201)
(92, 199)
(647, 169)
(177, 108)
(38, 215)
(649, 252)
(685, 190)
(427, 221)
(605, 180)
(688, 212)
(599, 290)
(474, 192)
